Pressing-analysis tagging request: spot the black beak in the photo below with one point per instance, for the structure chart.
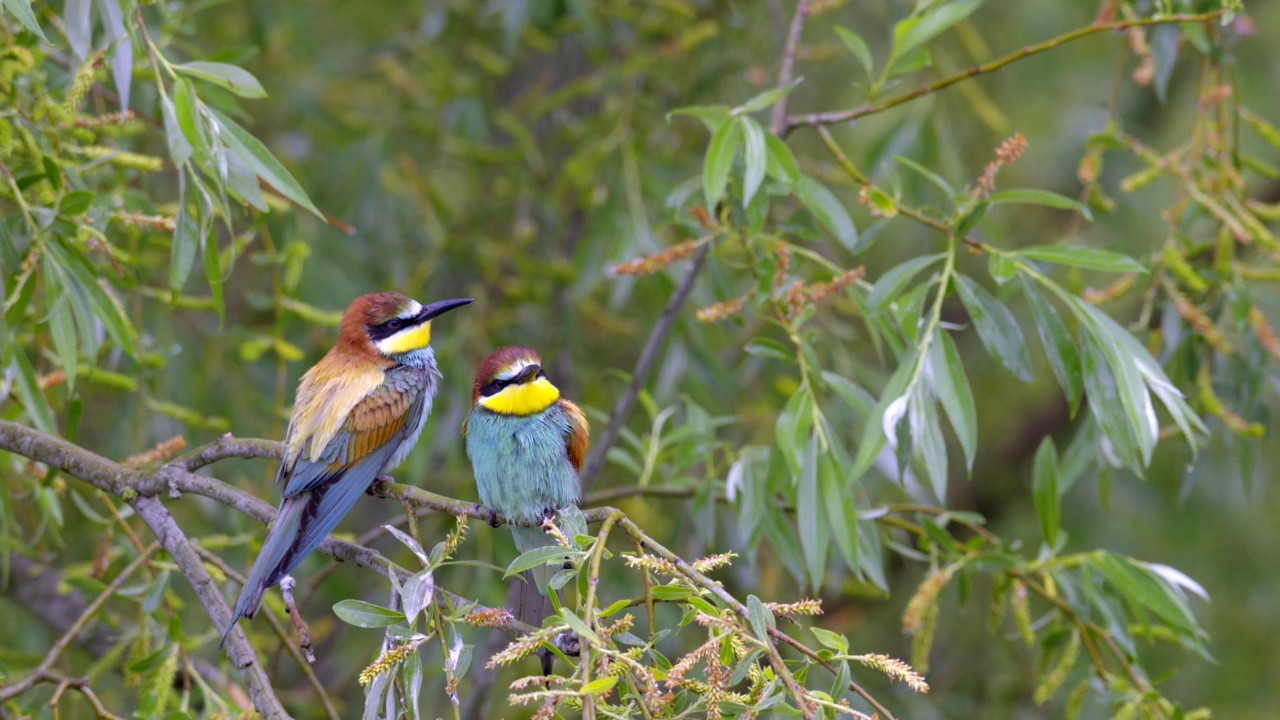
(530, 372)
(439, 308)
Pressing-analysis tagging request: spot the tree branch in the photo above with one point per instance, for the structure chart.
(41, 673)
(778, 121)
(648, 358)
(840, 116)
(166, 530)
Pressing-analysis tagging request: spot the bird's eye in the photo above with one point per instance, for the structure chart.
(395, 324)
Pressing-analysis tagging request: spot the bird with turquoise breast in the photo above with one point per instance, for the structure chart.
(358, 413)
(526, 445)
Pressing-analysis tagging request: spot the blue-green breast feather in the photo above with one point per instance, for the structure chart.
(521, 463)
(522, 469)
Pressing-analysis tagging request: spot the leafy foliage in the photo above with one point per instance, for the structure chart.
(849, 355)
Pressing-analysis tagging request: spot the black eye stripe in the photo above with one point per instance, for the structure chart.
(389, 328)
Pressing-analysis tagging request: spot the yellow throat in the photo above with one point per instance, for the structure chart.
(406, 341)
(525, 399)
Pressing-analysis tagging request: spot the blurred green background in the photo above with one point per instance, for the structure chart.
(513, 151)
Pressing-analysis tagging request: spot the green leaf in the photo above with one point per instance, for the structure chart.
(849, 391)
(75, 203)
(842, 518)
(576, 624)
(996, 327)
(913, 32)
(33, 399)
(366, 615)
(213, 274)
(951, 385)
(1100, 388)
(537, 557)
(858, 47)
(1059, 346)
(122, 53)
(891, 283)
(927, 441)
(1045, 491)
(884, 205)
(600, 685)
(1146, 589)
(252, 151)
(766, 98)
(21, 9)
(408, 541)
(672, 592)
(180, 148)
(187, 116)
(719, 161)
(713, 116)
(759, 617)
(1029, 196)
(1084, 257)
(928, 174)
(808, 517)
(782, 165)
(1002, 267)
(828, 639)
(828, 211)
(754, 155)
(186, 242)
(873, 437)
(61, 325)
(236, 79)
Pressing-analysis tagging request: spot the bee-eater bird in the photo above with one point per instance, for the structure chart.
(358, 413)
(526, 445)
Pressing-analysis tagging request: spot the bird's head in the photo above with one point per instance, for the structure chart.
(391, 325)
(511, 381)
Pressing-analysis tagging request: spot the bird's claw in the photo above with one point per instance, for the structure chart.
(493, 518)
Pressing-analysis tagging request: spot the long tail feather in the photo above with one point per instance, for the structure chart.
(276, 559)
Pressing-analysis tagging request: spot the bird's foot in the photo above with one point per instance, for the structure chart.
(549, 514)
(493, 518)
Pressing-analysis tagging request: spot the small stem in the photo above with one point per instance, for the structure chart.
(841, 116)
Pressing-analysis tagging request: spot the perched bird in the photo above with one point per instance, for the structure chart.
(359, 412)
(526, 445)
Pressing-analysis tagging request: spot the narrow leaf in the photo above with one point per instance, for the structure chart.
(1030, 196)
(366, 615)
(1059, 346)
(951, 384)
(828, 211)
(719, 160)
(1045, 491)
(236, 79)
(766, 98)
(858, 47)
(759, 617)
(122, 57)
(755, 158)
(21, 9)
(891, 283)
(997, 328)
(782, 165)
(1085, 257)
(263, 162)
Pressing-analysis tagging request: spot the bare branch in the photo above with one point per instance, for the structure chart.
(778, 121)
(41, 673)
(840, 116)
(644, 366)
(166, 530)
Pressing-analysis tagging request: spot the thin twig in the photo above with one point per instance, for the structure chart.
(648, 358)
(278, 628)
(166, 530)
(41, 673)
(304, 638)
(778, 121)
(840, 116)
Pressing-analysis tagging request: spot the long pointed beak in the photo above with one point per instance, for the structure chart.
(530, 372)
(439, 308)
